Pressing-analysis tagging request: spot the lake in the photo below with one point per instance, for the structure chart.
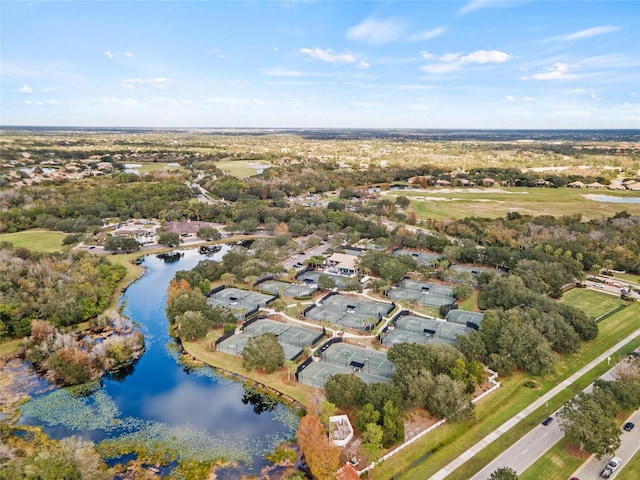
(166, 405)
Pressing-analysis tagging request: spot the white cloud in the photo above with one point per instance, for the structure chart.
(109, 55)
(128, 54)
(52, 102)
(377, 32)
(427, 55)
(557, 71)
(159, 83)
(275, 49)
(528, 99)
(363, 65)
(510, 98)
(486, 56)
(439, 68)
(450, 57)
(48, 90)
(25, 90)
(233, 102)
(474, 5)
(328, 55)
(426, 34)
(450, 62)
(591, 32)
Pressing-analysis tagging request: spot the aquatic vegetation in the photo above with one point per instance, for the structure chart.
(159, 443)
(76, 412)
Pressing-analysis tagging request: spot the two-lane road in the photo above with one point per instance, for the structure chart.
(629, 445)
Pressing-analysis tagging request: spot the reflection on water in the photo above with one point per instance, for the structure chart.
(160, 402)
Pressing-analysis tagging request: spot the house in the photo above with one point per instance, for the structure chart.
(595, 185)
(577, 184)
(635, 186)
(443, 183)
(488, 182)
(344, 263)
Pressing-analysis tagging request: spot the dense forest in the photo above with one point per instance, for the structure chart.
(62, 288)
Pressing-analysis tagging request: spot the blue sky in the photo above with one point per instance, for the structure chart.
(326, 64)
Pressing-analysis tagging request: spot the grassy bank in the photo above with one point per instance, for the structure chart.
(278, 381)
(450, 441)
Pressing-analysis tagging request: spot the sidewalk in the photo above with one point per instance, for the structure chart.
(505, 427)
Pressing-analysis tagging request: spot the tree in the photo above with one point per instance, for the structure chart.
(121, 245)
(504, 473)
(325, 282)
(449, 400)
(291, 367)
(321, 455)
(366, 415)
(462, 291)
(192, 325)
(345, 390)
(209, 233)
(588, 422)
(372, 439)
(392, 425)
(263, 351)
(169, 239)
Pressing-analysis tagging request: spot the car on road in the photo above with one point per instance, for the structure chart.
(297, 265)
(628, 426)
(547, 421)
(610, 467)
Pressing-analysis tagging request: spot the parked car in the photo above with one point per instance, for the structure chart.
(297, 265)
(547, 421)
(628, 426)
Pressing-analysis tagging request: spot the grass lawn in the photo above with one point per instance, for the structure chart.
(631, 470)
(627, 277)
(460, 203)
(36, 240)
(592, 302)
(556, 463)
(149, 167)
(239, 168)
(277, 380)
(450, 441)
(471, 303)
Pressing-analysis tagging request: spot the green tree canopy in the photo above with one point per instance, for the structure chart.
(263, 351)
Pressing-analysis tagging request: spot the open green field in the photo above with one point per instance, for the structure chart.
(148, 167)
(449, 441)
(591, 302)
(497, 202)
(239, 168)
(35, 240)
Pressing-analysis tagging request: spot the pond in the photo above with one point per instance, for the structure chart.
(163, 404)
(612, 199)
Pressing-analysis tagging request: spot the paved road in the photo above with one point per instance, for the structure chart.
(630, 444)
(461, 459)
(533, 445)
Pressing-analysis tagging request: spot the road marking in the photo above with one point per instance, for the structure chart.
(525, 451)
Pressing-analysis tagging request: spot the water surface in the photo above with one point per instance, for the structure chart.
(163, 402)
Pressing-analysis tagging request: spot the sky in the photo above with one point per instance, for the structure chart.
(485, 64)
